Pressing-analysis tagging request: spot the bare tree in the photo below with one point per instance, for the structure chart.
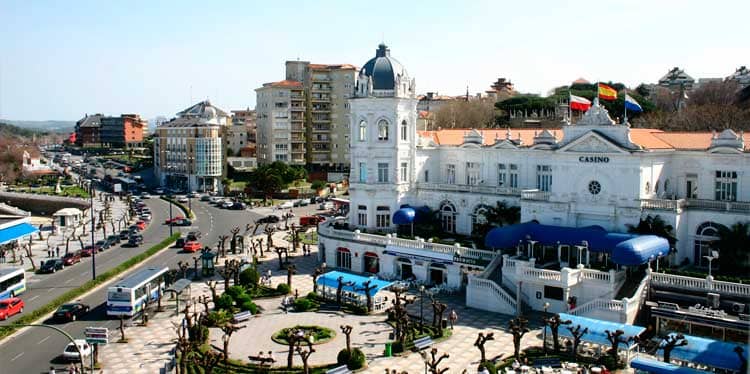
(347, 330)
(366, 287)
(305, 355)
(290, 270)
(518, 328)
(616, 338)
(671, 342)
(212, 286)
(233, 243)
(228, 329)
(465, 114)
(208, 360)
(577, 332)
(222, 243)
(554, 324)
(433, 362)
(482, 339)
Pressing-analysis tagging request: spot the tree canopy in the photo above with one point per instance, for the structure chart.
(275, 176)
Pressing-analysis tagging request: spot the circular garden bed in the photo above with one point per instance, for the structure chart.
(320, 334)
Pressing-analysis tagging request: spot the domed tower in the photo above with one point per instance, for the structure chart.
(383, 141)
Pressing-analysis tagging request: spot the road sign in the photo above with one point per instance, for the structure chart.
(97, 335)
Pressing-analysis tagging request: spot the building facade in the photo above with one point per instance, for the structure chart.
(125, 131)
(237, 142)
(188, 150)
(594, 173)
(280, 110)
(87, 130)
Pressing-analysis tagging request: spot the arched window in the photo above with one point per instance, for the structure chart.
(448, 217)
(382, 130)
(362, 131)
(404, 133)
(706, 233)
(372, 263)
(343, 258)
(479, 217)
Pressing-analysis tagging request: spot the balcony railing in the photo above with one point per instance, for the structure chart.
(535, 195)
(697, 204)
(494, 190)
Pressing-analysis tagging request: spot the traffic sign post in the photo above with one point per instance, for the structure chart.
(97, 335)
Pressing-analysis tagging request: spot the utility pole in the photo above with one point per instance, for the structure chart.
(93, 248)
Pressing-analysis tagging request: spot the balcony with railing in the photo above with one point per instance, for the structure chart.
(535, 194)
(696, 204)
(491, 190)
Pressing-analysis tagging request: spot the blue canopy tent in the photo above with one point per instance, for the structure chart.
(597, 328)
(353, 287)
(16, 232)
(405, 216)
(709, 352)
(624, 249)
(658, 367)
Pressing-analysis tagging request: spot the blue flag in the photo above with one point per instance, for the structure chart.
(632, 105)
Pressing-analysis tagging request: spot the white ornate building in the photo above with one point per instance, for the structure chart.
(594, 172)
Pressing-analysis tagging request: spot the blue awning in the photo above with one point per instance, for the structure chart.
(659, 367)
(709, 352)
(15, 232)
(625, 249)
(404, 216)
(596, 328)
(330, 279)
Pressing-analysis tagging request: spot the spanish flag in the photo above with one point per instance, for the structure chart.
(607, 92)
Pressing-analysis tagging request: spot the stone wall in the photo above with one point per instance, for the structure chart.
(41, 205)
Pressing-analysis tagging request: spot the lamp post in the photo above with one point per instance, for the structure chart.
(170, 217)
(714, 255)
(93, 248)
(421, 314)
(544, 331)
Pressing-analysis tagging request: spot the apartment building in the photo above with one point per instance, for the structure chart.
(125, 131)
(242, 135)
(280, 111)
(188, 150)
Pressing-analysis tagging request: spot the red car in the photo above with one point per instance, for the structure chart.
(71, 258)
(141, 225)
(10, 307)
(88, 250)
(192, 246)
(173, 220)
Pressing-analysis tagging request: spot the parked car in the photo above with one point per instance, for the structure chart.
(88, 250)
(51, 266)
(124, 234)
(304, 202)
(71, 311)
(205, 198)
(159, 191)
(269, 219)
(145, 217)
(238, 206)
(191, 246)
(72, 354)
(310, 220)
(145, 195)
(194, 195)
(182, 199)
(180, 242)
(135, 240)
(114, 239)
(172, 220)
(141, 225)
(10, 307)
(71, 258)
(184, 222)
(193, 235)
(227, 204)
(325, 205)
(286, 205)
(215, 200)
(102, 244)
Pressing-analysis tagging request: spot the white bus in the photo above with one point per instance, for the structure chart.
(12, 282)
(127, 297)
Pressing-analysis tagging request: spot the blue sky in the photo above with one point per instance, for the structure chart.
(62, 59)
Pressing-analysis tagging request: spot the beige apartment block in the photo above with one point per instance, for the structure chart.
(280, 110)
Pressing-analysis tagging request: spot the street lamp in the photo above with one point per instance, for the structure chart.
(544, 331)
(714, 255)
(421, 314)
(93, 248)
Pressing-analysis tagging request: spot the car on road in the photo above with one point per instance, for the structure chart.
(72, 354)
(145, 217)
(103, 244)
(10, 307)
(180, 242)
(205, 198)
(297, 203)
(172, 220)
(71, 311)
(310, 220)
(134, 240)
(194, 195)
(193, 235)
(141, 225)
(325, 205)
(159, 191)
(114, 239)
(145, 195)
(215, 200)
(269, 219)
(191, 246)
(88, 250)
(238, 206)
(304, 202)
(71, 258)
(227, 204)
(182, 199)
(124, 234)
(184, 222)
(286, 205)
(51, 266)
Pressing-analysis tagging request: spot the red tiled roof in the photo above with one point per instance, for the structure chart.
(285, 83)
(332, 66)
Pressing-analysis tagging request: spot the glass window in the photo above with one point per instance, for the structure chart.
(502, 175)
(404, 172)
(705, 235)
(363, 172)
(513, 175)
(343, 258)
(726, 185)
(372, 263)
(404, 134)
(382, 130)
(362, 215)
(383, 217)
(543, 177)
(383, 172)
(427, 176)
(362, 131)
(473, 173)
(448, 217)
(450, 174)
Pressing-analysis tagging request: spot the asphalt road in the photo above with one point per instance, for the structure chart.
(36, 349)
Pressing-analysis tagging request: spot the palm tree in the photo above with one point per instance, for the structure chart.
(732, 246)
(499, 215)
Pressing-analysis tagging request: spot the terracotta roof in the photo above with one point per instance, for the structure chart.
(332, 66)
(650, 139)
(284, 83)
(581, 81)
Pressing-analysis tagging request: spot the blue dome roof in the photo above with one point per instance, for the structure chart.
(383, 69)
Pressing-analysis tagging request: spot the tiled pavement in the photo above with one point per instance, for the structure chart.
(148, 348)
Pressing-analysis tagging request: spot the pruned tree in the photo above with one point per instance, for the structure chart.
(433, 362)
(347, 330)
(280, 252)
(208, 360)
(233, 244)
(577, 332)
(518, 328)
(616, 338)
(367, 287)
(222, 241)
(184, 266)
(269, 230)
(228, 329)
(315, 274)
(340, 288)
(438, 309)
(670, 342)
(291, 339)
(305, 355)
(205, 300)
(554, 324)
(29, 255)
(290, 270)
(482, 339)
(398, 313)
(212, 286)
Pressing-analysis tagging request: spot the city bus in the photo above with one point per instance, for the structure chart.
(127, 296)
(12, 282)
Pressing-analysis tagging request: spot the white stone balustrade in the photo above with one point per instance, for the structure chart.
(704, 284)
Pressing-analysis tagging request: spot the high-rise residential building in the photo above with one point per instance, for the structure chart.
(280, 111)
(125, 131)
(240, 137)
(188, 150)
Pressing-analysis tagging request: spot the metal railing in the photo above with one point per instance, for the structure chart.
(493, 190)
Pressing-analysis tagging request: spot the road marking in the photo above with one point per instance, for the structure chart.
(17, 356)
(32, 298)
(43, 340)
(50, 290)
(68, 281)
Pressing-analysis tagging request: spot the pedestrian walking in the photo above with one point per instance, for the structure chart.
(453, 317)
(71, 369)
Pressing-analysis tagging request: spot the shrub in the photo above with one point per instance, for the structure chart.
(357, 360)
(198, 334)
(242, 299)
(283, 287)
(302, 304)
(489, 365)
(217, 318)
(397, 347)
(249, 306)
(318, 185)
(235, 292)
(224, 302)
(343, 357)
(250, 277)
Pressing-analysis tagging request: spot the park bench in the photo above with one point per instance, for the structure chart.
(242, 316)
(339, 370)
(423, 343)
(261, 360)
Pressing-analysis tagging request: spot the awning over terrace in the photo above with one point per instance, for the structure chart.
(597, 328)
(658, 367)
(709, 352)
(624, 249)
(15, 232)
(331, 279)
(404, 216)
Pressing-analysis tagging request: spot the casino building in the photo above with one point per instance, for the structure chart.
(578, 188)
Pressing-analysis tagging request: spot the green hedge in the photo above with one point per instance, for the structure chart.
(5, 331)
(185, 209)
